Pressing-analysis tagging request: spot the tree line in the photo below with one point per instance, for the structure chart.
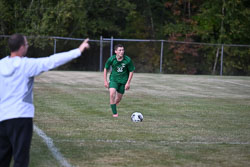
(207, 21)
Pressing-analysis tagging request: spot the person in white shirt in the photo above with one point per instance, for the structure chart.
(17, 74)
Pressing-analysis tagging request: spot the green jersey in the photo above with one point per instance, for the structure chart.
(120, 69)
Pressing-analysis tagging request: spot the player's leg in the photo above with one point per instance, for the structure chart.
(118, 98)
(119, 94)
(5, 147)
(112, 93)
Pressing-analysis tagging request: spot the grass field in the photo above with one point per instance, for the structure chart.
(188, 121)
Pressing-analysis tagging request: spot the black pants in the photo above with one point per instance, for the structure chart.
(15, 139)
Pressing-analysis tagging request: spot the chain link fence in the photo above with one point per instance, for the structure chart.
(149, 56)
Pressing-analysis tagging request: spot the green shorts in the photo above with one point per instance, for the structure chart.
(120, 88)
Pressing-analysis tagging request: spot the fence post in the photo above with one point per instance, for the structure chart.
(111, 46)
(221, 60)
(54, 46)
(162, 43)
(101, 53)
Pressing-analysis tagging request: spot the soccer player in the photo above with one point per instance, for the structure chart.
(17, 74)
(120, 77)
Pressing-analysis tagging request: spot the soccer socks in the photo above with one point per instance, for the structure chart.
(113, 107)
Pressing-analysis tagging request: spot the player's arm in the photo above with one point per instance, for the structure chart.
(106, 84)
(105, 72)
(127, 86)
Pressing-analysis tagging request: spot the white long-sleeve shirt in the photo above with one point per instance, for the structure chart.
(17, 79)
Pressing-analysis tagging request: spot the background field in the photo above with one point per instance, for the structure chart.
(188, 121)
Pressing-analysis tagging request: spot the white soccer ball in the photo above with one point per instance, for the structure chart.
(137, 117)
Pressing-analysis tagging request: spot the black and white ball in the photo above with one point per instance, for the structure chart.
(137, 117)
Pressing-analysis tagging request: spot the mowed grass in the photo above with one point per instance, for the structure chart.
(188, 121)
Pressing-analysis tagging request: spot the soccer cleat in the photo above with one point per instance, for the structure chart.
(115, 115)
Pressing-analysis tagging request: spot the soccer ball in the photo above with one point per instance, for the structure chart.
(136, 117)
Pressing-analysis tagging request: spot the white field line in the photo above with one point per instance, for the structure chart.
(49, 142)
(160, 141)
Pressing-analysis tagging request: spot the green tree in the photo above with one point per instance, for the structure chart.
(182, 58)
(226, 22)
(218, 22)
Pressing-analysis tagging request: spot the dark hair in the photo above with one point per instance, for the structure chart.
(16, 41)
(119, 46)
